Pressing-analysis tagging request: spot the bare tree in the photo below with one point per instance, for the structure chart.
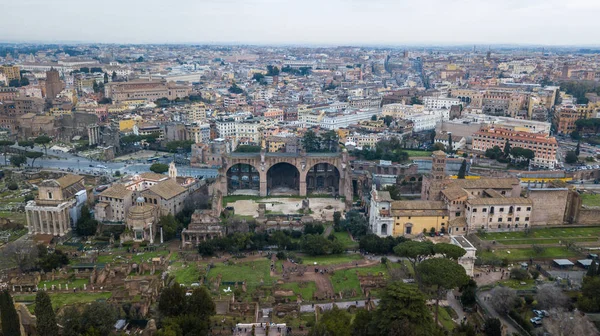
(503, 299)
(20, 253)
(565, 323)
(550, 296)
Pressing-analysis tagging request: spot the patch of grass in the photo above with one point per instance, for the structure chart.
(344, 238)
(306, 290)
(185, 274)
(136, 257)
(556, 233)
(591, 200)
(251, 272)
(347, 280)
(417, 153)
(17, 217)
(516, 284)
(78, 283)
(65, 299)
(444, 316)
(526, 253)
(331, 259)
(532, 241)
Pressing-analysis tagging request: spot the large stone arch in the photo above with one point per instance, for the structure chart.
(242, 176)
(323, 177)
(303, 162)
(283, 178)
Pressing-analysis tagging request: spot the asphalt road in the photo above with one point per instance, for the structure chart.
(64, 161)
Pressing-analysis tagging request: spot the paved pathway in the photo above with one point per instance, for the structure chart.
(488, 307)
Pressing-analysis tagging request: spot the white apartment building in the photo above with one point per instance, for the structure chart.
(498, 213)
(381, 222)
(225, 128)
(197, 112)
(440, 102)
(424, 122)
(334, 121)
(248, 132)
(362, 140)
(401, 110)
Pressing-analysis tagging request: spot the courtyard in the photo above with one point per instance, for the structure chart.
(321, 208)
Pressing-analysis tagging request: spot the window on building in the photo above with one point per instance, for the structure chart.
(408, 229)
(526, 219)
(501, 209)
(484, 210)
(49, 195)
(499, 226)
(518, 208)
(490, 219)
(528, 208)
(499, 220)
(457, 214)
(509, 219)
(517, 219)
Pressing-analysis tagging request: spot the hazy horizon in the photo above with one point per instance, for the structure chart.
(319, 23)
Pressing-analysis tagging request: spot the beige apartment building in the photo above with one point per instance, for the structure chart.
(542, 145)
(150, 90)
(113, 204)
(498, 213)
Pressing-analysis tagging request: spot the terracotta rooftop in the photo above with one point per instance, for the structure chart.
(454, 193)
(167, 189)
(500, 201)
(116, 191)
(68, 180)
(153, 176)
(418, 205)
(487, 183)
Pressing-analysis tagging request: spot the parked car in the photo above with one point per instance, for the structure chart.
(537, 321)
(538, 313)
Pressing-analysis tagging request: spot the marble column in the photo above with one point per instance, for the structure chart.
(29, 222)
(42, 229)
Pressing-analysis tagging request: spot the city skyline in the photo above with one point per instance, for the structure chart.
(356, 22)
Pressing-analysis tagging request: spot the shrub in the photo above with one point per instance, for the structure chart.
(281, 255)
(521, 321)
(528, 300)
(519, 274)
(12, 186)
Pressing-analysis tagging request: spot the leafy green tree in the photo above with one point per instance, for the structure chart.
(24, 81)
(442, 274)
(492, 327)
(363, 323)
(468, 296)
(71, 321)
(50, 261)
(402, 311)
(374, 117)
(355, 223)
(272, 70)
(333, 322)
(337, 217)
(414, 251)
(462, 171)
(86, 225)
(464, 329)
(172, 300)
(100, 316)
(506, 148)
(493, 153)
(438, 146)
(593, 269)
(571, 157)
(169, 225)
(200, 304)
(159, 168)
(394, 192)
(589, 301)
(45, 318)
(43, 140)
(33, 156)
(5, 144)
(311, 142)
(18, 160)
(388, 120)
(449, 251)
(329, 141)
(234, 88)
(8, 315)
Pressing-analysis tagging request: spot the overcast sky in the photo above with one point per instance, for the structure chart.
(548, 22)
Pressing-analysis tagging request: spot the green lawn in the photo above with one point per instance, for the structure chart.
(417, 153)
(72, 284)
(445, 318)
(525, 254)
(348, 279)
(251, 272)
(591, 200)
(516, 284)
(17, 217)
(531, 241)
(185, 274)
(306, 290)
(135, 257)
(331, 259)
(64, 299)
(344, 238)
(556, 233)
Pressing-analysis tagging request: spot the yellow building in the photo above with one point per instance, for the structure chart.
(588, 110)
(343, 134)
(58, 112)
(126, 124)
(275, 146)
(413, 217)
(11, 72)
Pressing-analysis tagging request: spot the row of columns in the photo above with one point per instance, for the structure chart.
(196, 238)
(44, 221)
(93, 134)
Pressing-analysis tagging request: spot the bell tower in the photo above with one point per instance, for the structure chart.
(172, 170)
(438, 165)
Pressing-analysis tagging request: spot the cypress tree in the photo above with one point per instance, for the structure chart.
(463, 169)
(46, 320)
(578, 148)
(506, 149)
(8, 315)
